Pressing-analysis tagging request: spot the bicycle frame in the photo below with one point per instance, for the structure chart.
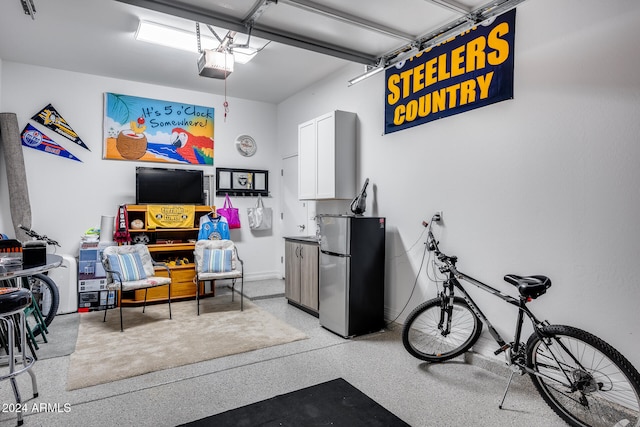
(579, 375)
(453, 282)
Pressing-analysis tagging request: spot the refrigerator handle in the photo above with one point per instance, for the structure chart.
(335, 254)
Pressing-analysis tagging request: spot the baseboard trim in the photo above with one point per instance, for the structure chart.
(266, 275)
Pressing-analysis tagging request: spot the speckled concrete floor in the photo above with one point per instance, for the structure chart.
(456, 393)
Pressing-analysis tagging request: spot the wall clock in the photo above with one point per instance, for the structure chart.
(246, 145)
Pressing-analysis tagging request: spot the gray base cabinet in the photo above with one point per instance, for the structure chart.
(301, 274)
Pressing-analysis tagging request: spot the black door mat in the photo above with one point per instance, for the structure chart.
(333, 403)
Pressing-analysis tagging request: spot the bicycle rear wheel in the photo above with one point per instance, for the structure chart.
(583, 379)
(423, 337)
(45, 293)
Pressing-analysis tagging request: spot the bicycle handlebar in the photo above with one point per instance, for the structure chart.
(432, 245)
(37, 236)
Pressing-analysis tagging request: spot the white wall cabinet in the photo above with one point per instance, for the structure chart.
(327, 157)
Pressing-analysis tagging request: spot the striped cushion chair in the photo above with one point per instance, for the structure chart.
(217, 260)
(129, 268)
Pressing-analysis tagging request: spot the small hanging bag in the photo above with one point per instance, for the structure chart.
(229, 212)
(260, 217)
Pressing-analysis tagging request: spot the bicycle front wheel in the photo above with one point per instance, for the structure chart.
(423, 333)
(583, 379)
(45, 293)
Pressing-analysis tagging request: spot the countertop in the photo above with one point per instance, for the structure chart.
(306, 239)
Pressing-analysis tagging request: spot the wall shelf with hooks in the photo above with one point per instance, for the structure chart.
(242, 182)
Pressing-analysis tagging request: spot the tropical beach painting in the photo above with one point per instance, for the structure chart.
(151, 130)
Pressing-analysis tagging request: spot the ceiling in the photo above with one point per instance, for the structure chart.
(311, 39)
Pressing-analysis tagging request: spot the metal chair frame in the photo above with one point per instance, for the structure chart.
(232, 275)
(115, 276)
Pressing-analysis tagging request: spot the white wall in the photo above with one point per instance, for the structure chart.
(68, 197)
(546, 183)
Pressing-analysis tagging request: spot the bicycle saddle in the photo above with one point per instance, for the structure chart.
(529, 286)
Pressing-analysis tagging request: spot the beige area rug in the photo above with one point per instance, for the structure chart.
(151, 342)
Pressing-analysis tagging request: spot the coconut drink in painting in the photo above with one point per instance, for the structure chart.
(132, 143)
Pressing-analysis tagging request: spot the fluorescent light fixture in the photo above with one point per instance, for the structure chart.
(366, 75)
(186, 40)
(176, 38)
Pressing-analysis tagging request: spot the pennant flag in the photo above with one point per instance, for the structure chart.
(32, 137)
(51, 119)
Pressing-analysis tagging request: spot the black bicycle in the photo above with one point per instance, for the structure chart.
(43, 289)
(583, 379)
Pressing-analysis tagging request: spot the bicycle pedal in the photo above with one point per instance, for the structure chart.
(502, 349)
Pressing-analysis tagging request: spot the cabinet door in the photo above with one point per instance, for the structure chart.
(309, 276)
(345, 155)
(326, 157)
(292, 271)
(307, 160)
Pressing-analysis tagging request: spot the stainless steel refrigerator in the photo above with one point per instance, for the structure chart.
(351, 283)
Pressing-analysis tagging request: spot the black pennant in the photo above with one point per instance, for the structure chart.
(51, 119)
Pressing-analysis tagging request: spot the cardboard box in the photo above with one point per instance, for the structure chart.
(91, 285)
(96, 300)
(90, 260)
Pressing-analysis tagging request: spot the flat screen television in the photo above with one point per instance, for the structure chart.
(169, 186)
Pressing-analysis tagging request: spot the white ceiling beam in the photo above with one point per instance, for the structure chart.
(348, 18)
(451, 29)
(206, 16)
(433, 38)
(258, 10)
(451, 5)
(468, 20)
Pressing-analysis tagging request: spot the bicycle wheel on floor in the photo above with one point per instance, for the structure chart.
(45, 293)
(423, 337)
(583, 379)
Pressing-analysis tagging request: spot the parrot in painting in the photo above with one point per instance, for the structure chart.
(188, 144)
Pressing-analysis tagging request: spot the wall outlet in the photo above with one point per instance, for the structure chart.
(437, 217)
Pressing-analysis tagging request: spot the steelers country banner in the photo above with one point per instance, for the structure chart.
(170, 216)
(32, 137)
(469, 71)
(51, 119)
